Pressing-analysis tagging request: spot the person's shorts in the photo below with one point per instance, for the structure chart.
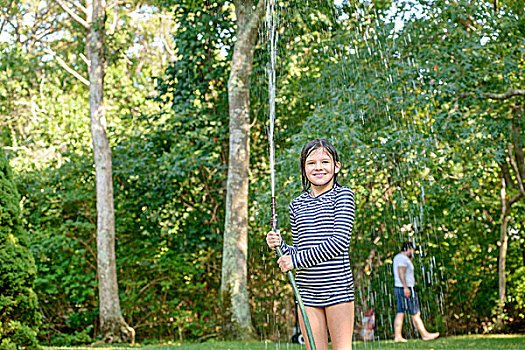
(404, 305)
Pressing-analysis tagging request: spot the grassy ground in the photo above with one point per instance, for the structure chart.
(473, 342)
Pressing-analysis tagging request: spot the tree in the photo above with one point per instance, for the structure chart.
(19, 314)
(235, 250)
(53, 135)
(511, 181)
(113, 327)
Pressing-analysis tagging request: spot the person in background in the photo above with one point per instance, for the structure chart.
(406, 295)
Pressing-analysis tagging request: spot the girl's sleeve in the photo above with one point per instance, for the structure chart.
(338, 241)
(290, 249)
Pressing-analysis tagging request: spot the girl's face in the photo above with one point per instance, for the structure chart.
(320, 168)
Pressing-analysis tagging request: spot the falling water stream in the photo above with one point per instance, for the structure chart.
(272, 38)
(379, 298)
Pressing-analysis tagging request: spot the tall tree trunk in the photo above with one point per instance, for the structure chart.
(503, 240)
(517, 163)
(235, 249)
(113, 327)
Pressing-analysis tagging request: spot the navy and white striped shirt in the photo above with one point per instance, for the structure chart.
(321, 231)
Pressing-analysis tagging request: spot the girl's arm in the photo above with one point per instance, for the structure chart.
(338, 241)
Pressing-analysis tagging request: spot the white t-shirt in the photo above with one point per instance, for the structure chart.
(404, 261)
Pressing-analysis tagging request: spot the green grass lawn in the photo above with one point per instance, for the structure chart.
(474, 342)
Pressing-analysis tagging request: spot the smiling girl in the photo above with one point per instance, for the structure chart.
(321, 219)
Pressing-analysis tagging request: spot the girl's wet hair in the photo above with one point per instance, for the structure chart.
(308, 149)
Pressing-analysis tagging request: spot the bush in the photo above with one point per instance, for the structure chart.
(19, 317)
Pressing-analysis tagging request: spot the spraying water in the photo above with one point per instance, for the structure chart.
(271, 25)
(273, 37)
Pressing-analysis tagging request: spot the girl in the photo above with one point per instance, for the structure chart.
(321, 219)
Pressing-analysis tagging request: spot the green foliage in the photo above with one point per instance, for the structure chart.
(516, 293)
(19, 316)
(149, 244)
(15, 335)
(61, 217)
(420, 146)
(168, 196)
(475, 131)
(74, 338)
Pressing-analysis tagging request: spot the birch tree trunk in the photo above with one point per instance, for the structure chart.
(113, 327)
(235, 249)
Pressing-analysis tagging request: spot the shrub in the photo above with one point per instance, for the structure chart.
(19, 317)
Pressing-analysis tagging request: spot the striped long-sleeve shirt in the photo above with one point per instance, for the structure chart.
(321, 231)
